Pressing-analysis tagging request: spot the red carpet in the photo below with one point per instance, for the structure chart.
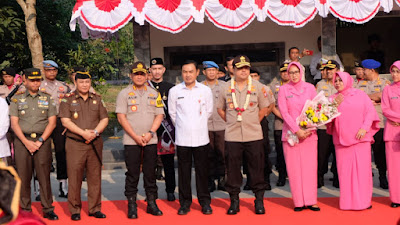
(279, 211)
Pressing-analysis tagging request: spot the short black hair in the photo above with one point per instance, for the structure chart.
(290, 49)
(229, 58)
(254, 71)
(190, 61)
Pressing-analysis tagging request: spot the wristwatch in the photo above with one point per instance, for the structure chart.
(152, 133)
(41, 139)
(97, 133)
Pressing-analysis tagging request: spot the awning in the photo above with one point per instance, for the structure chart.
(99, 17)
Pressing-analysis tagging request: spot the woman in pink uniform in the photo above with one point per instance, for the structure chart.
(301, 159)
(391, 110)
(353, 133)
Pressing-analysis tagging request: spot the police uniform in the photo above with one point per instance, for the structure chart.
(325, 141)
(141, 108)
(216, 131)
(244, 136)
(378, 147)
(33, 112)
(57, 90)
(278, 124)
(80, 155)
(6, 90)
(167, 155)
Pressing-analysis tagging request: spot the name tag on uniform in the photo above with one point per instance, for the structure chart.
(181, 97)
(289, 96)
(394, 97)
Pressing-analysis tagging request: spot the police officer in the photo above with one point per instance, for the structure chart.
(243, 105)
(140, 112)
(278, 124)
(374, 90)
(7, 76)
(57, 90)
(166, 153)
(325, 141)
(359, 71)
(228, 69)
(33, 119)
(216, 130)
(85, 118)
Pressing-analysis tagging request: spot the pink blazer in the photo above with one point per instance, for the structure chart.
(391, 110)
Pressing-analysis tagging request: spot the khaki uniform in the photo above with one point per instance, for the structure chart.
(33, 113)
(244, 136)
(216, 127)
(362, 85)
(4, 91)
(275, 86)
(86, 114)
(328, 89)
(140, 108)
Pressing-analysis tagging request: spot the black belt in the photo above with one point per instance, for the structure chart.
(93, 147)
(33, 135)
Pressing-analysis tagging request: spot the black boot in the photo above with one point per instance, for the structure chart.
(259, 203)
(221, 184)
(159, 175)
(234, 208)
(152, 207)
(267, 183)
(211, 184)
(383, 183)
(132, 208)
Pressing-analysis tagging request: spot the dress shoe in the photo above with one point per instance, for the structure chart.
(63, 189)
(98, 215)
(76, 217)
(394, 205)
(370, 207)
(298, 209)
(153, 209)
(206, 210)
(183, 210)
(383, 183)
(132, 210)
(281, 181)
(313, 208)
(170, 197)
(259, 207)
(37, 198)
(234, 208)
(50, 215)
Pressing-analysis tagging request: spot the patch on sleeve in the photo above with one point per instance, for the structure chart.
(159, 103)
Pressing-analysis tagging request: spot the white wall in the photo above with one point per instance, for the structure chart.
(256, 32)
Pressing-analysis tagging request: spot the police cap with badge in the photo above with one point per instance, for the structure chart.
(138, 67)
(357, 64)
(241, 61)
(82, 75)
(32, 74)
(332, 64)
(283, 67)
(8, 71)
(209, 64)
(50, 64)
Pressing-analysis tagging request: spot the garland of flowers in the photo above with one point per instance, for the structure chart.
(246, 103)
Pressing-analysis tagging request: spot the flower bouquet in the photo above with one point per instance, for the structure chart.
(316, 112)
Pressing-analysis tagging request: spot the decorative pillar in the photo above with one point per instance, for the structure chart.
(328, 35)
(141, 42)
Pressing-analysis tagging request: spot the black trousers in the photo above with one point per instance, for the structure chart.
(325, 149)
(379, 151)
(59, 147)
(200, 155)
(267, 151)
(133, 157)
(254, 152)
(169, 170)
(280, 158)
(216, 154)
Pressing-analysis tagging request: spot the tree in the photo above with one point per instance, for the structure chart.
(34, 38)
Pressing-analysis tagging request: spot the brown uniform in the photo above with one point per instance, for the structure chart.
(57, 90)
(86, 114)
(140, 108)
(33, 113)
(216, 127)
(244, 136)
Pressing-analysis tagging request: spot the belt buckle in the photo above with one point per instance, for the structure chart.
(33, 135)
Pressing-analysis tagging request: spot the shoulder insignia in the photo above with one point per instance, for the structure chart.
(159, 102)
(14, 100)
(63, 100)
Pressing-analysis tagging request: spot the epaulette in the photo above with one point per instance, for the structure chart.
(150, 87)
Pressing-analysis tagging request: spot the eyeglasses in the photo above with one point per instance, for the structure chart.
(294, 72)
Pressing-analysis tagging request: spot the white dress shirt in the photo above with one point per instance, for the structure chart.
(189, 110)
(4, 125)
(316, 73)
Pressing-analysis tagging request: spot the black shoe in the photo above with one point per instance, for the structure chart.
(298, 209)
(211, 185)
(50, 215)
(159, 175)
(132, 209)
(313, 208)
(383, 183)
(98, 215)
(183, 210)
(52, 169)
(37, 198)
(153, 209)
(259, 207)
(394, 205)
(61, 192)
(335, 183)
(170, 197)
(234, 208)
(370, 207)
(320, 181)
(76, 217)
(206, 210)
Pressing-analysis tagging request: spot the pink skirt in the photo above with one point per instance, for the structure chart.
(393, 166)
(355, 175)
(302, 165)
